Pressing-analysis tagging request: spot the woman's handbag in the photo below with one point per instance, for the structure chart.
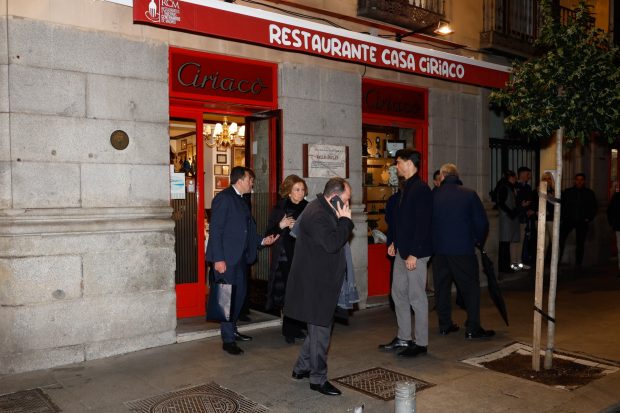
(219, 305)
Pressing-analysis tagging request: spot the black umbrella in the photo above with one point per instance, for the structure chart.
(494, 290)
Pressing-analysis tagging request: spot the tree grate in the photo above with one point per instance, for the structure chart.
(379, 382)
(27, 401)
(205, 398)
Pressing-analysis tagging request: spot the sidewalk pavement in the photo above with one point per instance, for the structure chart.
(588, 320)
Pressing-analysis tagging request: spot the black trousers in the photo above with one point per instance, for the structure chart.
(463, 270)
(581, 230)
(293, 328)
(503, 262)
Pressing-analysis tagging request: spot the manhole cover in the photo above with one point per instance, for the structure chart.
(27, 401)
(379, 382)
(205, 398)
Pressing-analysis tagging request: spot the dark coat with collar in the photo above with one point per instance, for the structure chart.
(319, 264)
(411, 230)
(232, 230)
(459, 219)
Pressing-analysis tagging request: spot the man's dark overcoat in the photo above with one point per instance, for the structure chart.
(319, 264)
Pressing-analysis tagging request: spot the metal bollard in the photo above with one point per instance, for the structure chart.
(404, 397)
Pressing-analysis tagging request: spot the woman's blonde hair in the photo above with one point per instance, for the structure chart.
(287, 185)
(548, 175)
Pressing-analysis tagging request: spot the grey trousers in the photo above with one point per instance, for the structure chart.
(313, 353)
(409, 289)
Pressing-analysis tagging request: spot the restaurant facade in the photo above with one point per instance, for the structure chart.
(120, 121)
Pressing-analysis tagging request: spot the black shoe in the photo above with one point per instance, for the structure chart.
(480, 333)
(244, 317)
(413, 351)
(289, 339)
(302, 375)
(242, 337)
(452, 329)
(395, 344)
(232, 348)
(326, 388)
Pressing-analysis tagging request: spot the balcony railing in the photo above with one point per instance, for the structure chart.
(411, 14)
(512, 25)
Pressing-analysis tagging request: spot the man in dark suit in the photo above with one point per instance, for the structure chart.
(233, 242)
(316, 278)
(459, 223)
(411, 248)
(578, 210)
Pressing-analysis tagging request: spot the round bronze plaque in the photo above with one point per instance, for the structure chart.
(119, 139)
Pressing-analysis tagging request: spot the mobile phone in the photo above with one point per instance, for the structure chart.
(335, 201)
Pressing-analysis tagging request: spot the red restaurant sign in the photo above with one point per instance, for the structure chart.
(388, 99)
(245, 24)
(198, 75)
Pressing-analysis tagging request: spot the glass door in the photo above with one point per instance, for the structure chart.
(263, 153)
(186, 183)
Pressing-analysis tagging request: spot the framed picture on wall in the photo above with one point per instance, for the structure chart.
(221, 182)
(225, 170)
(218, 169)
(221, 158)
(392, 146)
(222, 149)
(239, 156)
(216, 192)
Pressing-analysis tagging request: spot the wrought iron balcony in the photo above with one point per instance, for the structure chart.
(511, 26)
(411, 14)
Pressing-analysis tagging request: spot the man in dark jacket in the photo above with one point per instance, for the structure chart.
(411, 246)
(578, 209)
(459, 223)
(316, 278)
(233, 242)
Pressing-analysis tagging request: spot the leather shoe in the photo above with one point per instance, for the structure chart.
(232, 348)
(326, 388)
(395, 344)
(302, 375)
(242, 337)
(452, 329)
(480, 333)
(413, 351)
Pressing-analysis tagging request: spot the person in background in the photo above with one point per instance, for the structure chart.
(244, 314)
(459, 223)
(509, 237)
(233, 243)
(613, 217)
(578, 210)
(293, 190)
(526, 219)
(411, 248)
(316, 278)
(548, 178)
(436, 179)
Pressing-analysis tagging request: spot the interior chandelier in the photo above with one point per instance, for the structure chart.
(224, 134)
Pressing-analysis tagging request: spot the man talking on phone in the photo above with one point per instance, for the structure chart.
(316, 277)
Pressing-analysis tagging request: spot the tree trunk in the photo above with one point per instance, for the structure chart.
(540, 272)
(555, 254)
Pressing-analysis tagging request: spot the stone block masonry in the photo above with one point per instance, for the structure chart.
(86, 237)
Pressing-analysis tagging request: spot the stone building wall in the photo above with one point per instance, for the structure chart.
(86, 242)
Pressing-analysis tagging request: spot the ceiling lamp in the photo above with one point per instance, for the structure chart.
(223, 134)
